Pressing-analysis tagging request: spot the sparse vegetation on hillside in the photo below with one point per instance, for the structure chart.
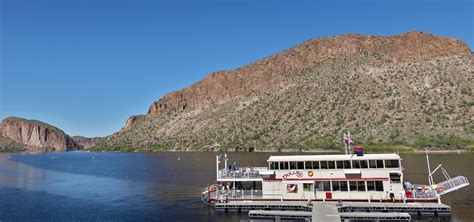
(10, 146)
(387, 105)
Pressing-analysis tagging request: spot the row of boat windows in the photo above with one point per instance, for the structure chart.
(344, 186)
(339, 164)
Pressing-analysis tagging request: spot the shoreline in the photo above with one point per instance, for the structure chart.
(283, 151)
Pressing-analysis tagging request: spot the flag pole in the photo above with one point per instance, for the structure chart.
(345, 144)
(349, 143)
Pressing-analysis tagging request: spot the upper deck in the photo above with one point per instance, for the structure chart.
(391, 156)
(333, 162)
(243, 174)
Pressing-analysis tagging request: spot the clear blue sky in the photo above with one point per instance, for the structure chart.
(86, 65)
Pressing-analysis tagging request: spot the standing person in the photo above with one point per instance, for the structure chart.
(234, 167)
(391, 194)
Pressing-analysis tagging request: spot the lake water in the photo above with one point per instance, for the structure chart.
(153, 187)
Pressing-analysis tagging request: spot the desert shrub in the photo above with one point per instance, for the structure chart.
(441, 142)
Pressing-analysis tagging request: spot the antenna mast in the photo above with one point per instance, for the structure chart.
(430, 177)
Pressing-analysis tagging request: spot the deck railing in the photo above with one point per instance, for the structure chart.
(225, 194)
(240, 173)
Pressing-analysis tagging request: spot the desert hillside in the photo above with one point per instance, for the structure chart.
(86, 142)
(384, 89)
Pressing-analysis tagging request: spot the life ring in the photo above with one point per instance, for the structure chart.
(310, 173)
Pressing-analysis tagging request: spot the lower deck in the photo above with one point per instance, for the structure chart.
(329, 191)
(256, 195)
(336, 211)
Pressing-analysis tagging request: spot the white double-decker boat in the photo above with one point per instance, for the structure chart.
(345, 177)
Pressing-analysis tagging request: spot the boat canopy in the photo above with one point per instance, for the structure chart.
(390, 156)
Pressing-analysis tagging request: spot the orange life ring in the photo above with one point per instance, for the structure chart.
(310, 173)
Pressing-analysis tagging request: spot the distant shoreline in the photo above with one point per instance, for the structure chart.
(457, 151)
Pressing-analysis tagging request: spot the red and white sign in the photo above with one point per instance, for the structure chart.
(296, 173)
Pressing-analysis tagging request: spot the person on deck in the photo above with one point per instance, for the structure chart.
(391, 194)
(234, 167)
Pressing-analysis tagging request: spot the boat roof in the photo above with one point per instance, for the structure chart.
(333, 157)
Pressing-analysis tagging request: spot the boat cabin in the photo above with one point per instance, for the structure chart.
(338, 177)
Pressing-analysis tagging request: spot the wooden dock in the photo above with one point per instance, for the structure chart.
(335, 211)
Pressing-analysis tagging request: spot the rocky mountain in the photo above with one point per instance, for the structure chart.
(31, 135)
(381, 88)
(86, 142)
(132, 121)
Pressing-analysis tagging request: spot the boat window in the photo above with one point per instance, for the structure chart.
(347, 164)
(277, 164)
(308, 187)
(363, 164)
(318, 186)
(370, 185)
(353, 185)
(292, 165)
(378, 185)
(327, 186)
(283, 165)
(331, 165)
(335, 186)
(272, 165)
(308, 165)
(379, 163)
(324, 164)
(339, 164)
(355, 164)
(343, 185)
(315, 165)
(300, 165)
(391, 163)
(395, 178)
(372, 164)
(360, 185)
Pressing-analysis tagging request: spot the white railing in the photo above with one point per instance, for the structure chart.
(224, 194)
(240, 173)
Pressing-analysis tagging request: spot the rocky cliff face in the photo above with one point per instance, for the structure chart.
(268, 73)
(36, 135)
(133, 121)
(86, 142)
(382, 88)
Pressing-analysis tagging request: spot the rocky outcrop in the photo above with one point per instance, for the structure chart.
(268, 73)
(36, 135)
(86, 142)
(133, 121)
(381, 88)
